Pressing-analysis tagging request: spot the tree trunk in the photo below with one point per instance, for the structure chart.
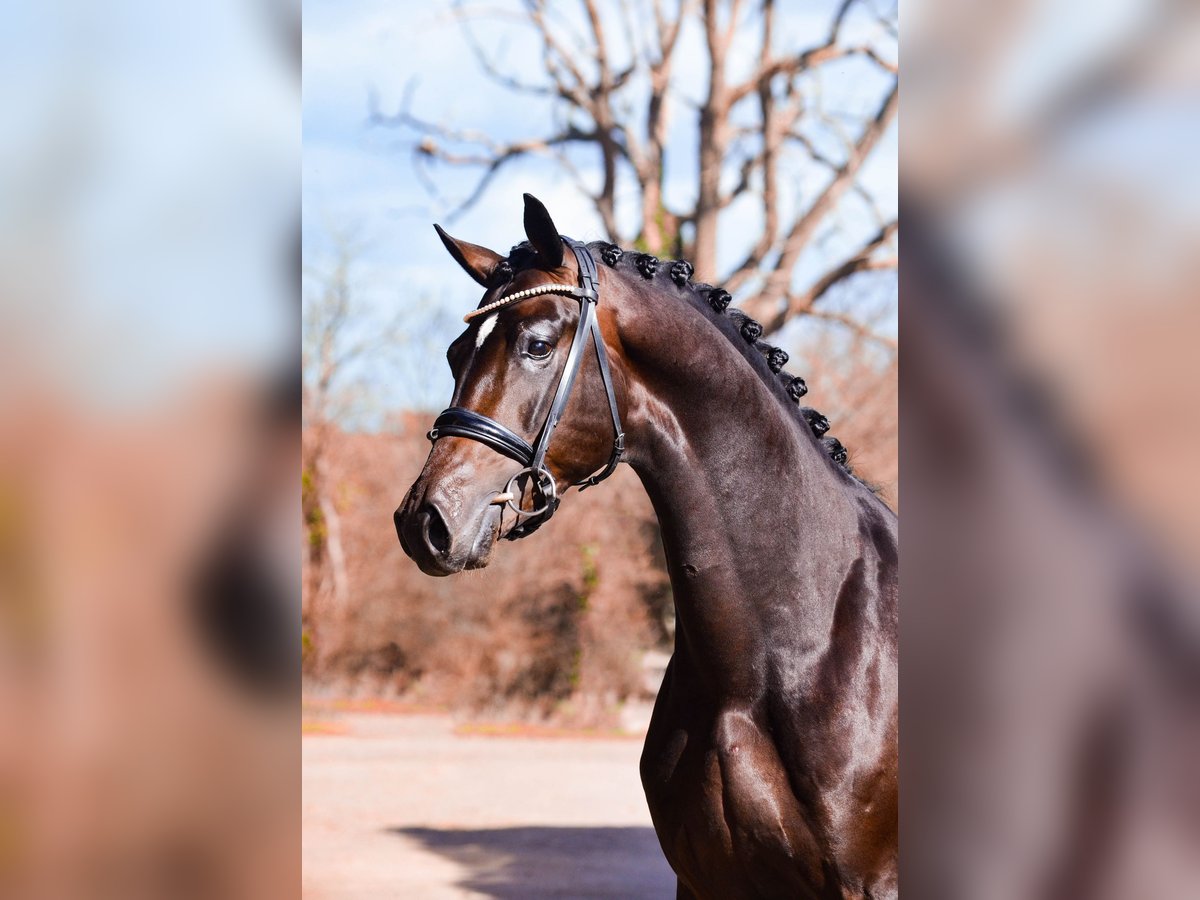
(713, 137)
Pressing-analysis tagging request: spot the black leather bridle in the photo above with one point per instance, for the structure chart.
(459, 422)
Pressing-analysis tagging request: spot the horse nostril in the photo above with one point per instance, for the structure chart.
(437, 536)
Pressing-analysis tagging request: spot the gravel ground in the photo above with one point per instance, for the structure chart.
(399, 806)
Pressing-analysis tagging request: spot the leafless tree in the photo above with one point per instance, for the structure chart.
(335, 338)
(611, 73)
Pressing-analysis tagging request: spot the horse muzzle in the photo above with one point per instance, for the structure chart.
(443, 537)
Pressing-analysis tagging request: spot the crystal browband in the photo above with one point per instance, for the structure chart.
(568, 289)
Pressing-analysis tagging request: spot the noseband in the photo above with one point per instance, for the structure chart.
(459, 422)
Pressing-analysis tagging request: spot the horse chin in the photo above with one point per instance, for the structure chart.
(484, 545)
(439, 567)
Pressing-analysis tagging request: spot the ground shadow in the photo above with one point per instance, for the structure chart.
(544, 861)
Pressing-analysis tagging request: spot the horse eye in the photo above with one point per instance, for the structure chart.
(539, 349)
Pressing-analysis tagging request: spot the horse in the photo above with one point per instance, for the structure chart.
(770, 764)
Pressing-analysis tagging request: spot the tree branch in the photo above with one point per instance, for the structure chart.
(855, 326)
(803, 303)
(489, 67)
(775, 287)
(609, 83)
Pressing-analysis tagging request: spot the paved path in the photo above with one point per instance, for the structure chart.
(398, 806)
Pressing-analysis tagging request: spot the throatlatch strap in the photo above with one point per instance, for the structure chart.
(587, 314)
(619, 439)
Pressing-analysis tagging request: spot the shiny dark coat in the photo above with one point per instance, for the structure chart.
(770, 766)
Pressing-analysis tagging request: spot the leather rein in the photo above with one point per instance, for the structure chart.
(460, 422)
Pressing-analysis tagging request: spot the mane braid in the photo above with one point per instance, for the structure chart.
(740, 330)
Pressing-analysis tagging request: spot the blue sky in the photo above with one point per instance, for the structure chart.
(360, 178)
(148, 176)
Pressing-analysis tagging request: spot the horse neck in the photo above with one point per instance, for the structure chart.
(758, 526)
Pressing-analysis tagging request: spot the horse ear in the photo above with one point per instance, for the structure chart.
(478, 262)
(540, 230)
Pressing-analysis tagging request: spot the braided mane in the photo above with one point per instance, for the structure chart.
(741, 331)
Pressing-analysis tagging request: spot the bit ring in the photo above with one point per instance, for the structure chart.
(545, 484)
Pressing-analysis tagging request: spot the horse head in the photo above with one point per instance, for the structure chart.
(523, 371)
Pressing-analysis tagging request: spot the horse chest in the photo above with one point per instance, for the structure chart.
(724, 810)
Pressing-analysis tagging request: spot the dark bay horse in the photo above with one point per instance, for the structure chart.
(770, 766)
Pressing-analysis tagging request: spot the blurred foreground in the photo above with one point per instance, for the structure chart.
(1050, 638)
(149, 451)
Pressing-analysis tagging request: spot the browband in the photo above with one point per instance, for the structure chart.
(522, 295)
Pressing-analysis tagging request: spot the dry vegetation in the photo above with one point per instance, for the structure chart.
(557, 624)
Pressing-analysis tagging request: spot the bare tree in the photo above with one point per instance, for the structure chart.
(611, 75)
(336, 337)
